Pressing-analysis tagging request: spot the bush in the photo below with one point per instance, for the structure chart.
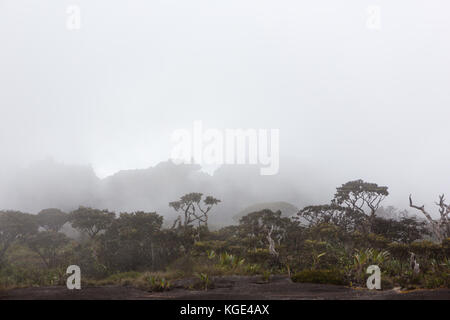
(427, 250)
(258, 255)
(11, 277)
(205, 282)
(446, 246)
(386, 282)
(201, 247)
(363, 240)
(319, 276)
(399, 250)
(436, 281)
(158, 284)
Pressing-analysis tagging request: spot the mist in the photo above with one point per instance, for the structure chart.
(87, 115)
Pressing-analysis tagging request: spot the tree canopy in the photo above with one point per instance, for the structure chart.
(91, 221)
(52, 219)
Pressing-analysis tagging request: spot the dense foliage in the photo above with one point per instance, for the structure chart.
(329, 243)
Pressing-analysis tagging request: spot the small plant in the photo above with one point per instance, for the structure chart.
(224, 259)
(379, 257)
(394, 267)
(253, 268)
(230, 261)
(361, 258)
(288, 269)
(238, 262)
(434, 281)
(211, 254)
(159, 284)
(316, 259)
(266, 275)
(434, 265)
(205, 281)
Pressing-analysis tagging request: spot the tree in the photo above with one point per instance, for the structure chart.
(360, 196)
(405, 230)
(48, 245)
(190, 205)
(440, 227)
(135, 241)
(91, 221)
(391, 212)
(257, 227)
(14, 225)
(344, 217)
(52, 219)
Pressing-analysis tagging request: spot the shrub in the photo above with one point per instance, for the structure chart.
(436, 281)
(394, 267)
(363, 240)
(11, 277)
(266, 275)
(212, 245)
(230, 261)
(258, 255)
(252, 269)
(386, 282)
(158, 284)
(399, 250)
(427, 250)
(377, 241)
(446, 246)
(205, 281)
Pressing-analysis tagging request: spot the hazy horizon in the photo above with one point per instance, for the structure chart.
(350, 102)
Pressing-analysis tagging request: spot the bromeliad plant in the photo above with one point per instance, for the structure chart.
(205, 281)
(363, 257)
(159, 284)
(317, 250)
(230, 261)
(316, 259)
(211, 254)
(379, 257)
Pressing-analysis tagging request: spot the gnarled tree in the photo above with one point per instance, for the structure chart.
(49, 245)
(14, 226)
(361, 196)
(440, 227)
(264, 225)
(192, 209)
(344, 217)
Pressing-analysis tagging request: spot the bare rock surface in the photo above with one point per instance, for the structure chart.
(225, 288)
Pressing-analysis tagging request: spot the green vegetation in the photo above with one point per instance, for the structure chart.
(329, 244)
(205, 281)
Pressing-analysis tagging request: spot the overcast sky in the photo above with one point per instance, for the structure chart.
(350, 102)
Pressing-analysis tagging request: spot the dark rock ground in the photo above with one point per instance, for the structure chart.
(226, 288)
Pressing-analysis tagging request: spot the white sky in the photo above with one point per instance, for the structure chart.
(350, 102)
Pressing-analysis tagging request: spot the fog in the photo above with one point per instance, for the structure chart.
(350, 102)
